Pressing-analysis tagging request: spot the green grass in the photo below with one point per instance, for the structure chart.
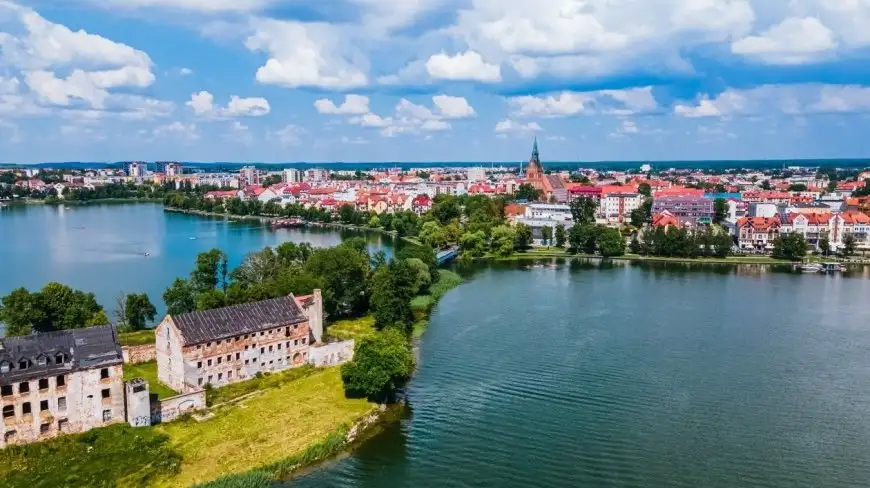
(422, 305)
(149, 372)
(118, 455)
(274, 431)
(448, 280)
(263, 381)
(355, 329)
(138, 338)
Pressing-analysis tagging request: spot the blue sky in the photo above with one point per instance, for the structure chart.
(433, 80)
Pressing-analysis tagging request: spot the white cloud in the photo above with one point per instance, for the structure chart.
(352, 105)
(185, 71)
(453, 107)
(727, 103)
(794, 41)
(556, 138)
(239, 132)
(617, 102)
(465, 66)
(289, 135)
(9, 85)
(435, 125)
(307, 54)
(354, 140)
(178, 130)
(207, 6)
(846, 98)
(626, 127)
(202, 104)
(514, 127)
(793, 100)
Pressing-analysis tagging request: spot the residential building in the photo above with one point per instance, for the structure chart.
(616, 207)
(136, 169)
(230, 344)
(476, 174)
(814, 227)
(249, 176)
(171, 169)
(291, 175)
(315, 175)
(60, 382)
(690, 210)
(220, 180)
(758, 233)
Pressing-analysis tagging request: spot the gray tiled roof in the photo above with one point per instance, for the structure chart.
(222, 323)
(87, 348)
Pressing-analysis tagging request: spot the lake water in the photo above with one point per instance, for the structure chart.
(633, 376)
(100, 248)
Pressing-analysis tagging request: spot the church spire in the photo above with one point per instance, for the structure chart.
(535, 157)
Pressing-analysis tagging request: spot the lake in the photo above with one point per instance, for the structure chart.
(101, 248)
(632, 375)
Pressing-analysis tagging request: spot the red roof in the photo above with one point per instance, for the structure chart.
(665, 219)
(812, 219)
(855, 218)
(759, 223)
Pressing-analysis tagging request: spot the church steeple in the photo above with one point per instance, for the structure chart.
(536, 159)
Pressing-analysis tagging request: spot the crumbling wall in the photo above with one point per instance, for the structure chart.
(331, 354)
(169, 409)
(139, 354)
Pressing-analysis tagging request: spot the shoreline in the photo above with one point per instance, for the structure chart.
(636, 257)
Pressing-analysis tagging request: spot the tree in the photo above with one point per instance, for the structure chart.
(523, 237)
(642, 215)
(765, 185)
(527, 192)
(180, 297)
(560, 235)
(583, 211)
(210, 299)
(423, 253)
(849, 245)
(20, 310)
(210, 272)
(393, 287)
(473, 243)
(344, 271)
(582, 238)
(547, 235)
(797, 187)
(381, 364)
(138, 311)
(791, 246)
(445, 208)
(720, 210)
(611, 243)
(347, 214)
(257, 267)
(423, 277)
(374, 222)
(55, 307)
(503, 241)
(433, 235)
(270, 180)
(644, 189)
(825, 246)
(722, 244)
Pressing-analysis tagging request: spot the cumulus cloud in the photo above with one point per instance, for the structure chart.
(412, 118)
(453, 107)
(464, 66)
(794, 41)
(207, 6)
(616, 102)
(202, 104)
(352, 105)
(795, 99)
(187, 132)
(289, 135)
(509, 126)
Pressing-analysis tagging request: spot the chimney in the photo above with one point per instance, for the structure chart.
(315, 316)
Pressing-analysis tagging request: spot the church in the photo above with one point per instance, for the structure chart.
(552, 187)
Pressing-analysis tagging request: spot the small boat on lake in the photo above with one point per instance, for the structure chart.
(831, 267)
(812, 268)
(287, 223)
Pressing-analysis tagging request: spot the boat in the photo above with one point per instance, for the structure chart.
(831, 267)
(287, 223)
(147, 254)
(812, 268)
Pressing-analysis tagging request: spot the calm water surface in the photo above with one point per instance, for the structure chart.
(100, 248)
(633, 376)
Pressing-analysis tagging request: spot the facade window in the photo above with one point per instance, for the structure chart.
(246, 336)
(279, 346)
(61, 380)
(262, 350)
(9, 436)
(220, 376)
(208, 344)
(229, 357)
(61, 404)
(246, 347)
(200, 382)
(43, 384)
(63, 425)
(24, 387)
(106, 393)
(246, 361)
(219, 359)
(107, 415)
(8, 411)
(6, 390)
(25, 408)
(199, 365)
(237, 339)
(270, 348)
(4, 367)
(288, 344)
(218, 343)
(199, 346)
(43, 405)
(238, 356)
(295, 326)
(295, 342)
(209, 378)
(229, 375)
(61, 358)
(41, 361)
(104, 373)
(303, 341)
(23, 364)
(209, 362)
(44, 428)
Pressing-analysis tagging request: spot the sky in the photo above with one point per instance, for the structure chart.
(433, 80)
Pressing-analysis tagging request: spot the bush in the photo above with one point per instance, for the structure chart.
(381, 364)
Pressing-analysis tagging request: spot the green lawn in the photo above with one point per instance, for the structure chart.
(139, 338)
(232, 391)
(264, 429)
(149, 372)
(355, 329)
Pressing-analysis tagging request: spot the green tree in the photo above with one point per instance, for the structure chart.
(344, 271)
(825, 246)
(644, 189)
(20, 310)
(270, 180)
(797, 187)
(849, 245)
(180, 297)
(423, 253)
(473, 243)
(347, 214)
(547, 235)
(382, 363)
(642, 215)
(791, 246)
(433, 235)
(610, 242)
(374, 222)
(210, 272)
(582, 238)
(523, 236)
(210, 299)
(393, 287)
(527, 192)
(765, 185)
(720, 210)
(55, 307)
(446, 208)
(503, 241)
(722, 244)
(291, 253)
(583, 211)
(138, 311)
(257, 267)
(423, 277)
(560, 235)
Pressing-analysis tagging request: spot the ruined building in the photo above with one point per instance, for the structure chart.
(58, 382)
(234, 343)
